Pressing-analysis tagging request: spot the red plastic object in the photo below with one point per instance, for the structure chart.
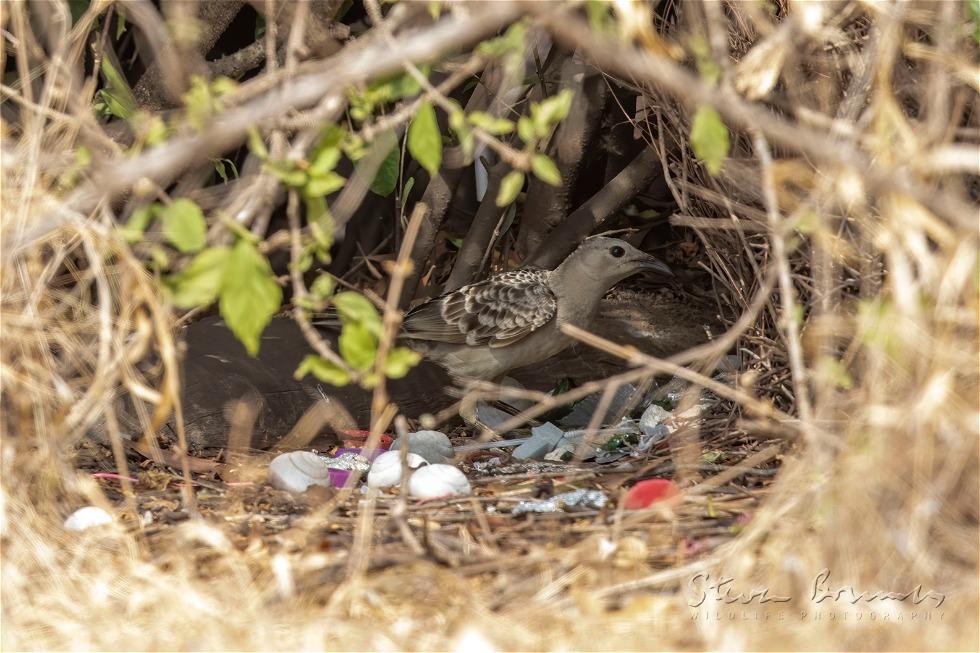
(646, 493)
(354, 436)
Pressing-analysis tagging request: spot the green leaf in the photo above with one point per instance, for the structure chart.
(525, 129)
(387, 177)
(369, 380)
(78, 9)
(321, 228)
(355, 308)
(288, 173)
(154, 130)
(82, 160)
(405, 86)
(554, 109)
(712, 456)
(120, 20)
(510, 187)
(321, 368)
(600, 17)
(183, 225)
(138, 222)
(973, 9)
(322, 287)
(489, 124)
(707, 66)
(354, 147)
(221, 167)
(222, 86)
(200, 282)
(467, 141)
(256, 145)
(321, 186)
(325, 160)
(399, 361)
(159, 258)
(250, 295)
(512, 42)
(545, 170)
(709, 139)
(198, 102)
(834, 371)
(424, 140)
(117, 95)
(357, 345)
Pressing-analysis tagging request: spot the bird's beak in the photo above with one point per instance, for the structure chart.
(655, 264)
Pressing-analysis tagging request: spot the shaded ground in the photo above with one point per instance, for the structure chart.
(476, 537)
(218, 372)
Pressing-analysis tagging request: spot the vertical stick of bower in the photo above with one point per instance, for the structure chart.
(391, 321)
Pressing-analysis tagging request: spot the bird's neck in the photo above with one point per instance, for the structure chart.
(579, 293)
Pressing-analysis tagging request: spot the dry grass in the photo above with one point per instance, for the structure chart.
(852, 291)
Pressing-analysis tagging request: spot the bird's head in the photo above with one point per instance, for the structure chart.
(609, 260)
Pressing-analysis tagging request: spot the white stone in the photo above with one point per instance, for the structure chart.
(691, 413)
(434, 446)
(386, 470)
(87, 517)
(653, 416)
(433, 481)
(296, 471)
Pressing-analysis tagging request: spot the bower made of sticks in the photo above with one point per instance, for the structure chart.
(809, 171)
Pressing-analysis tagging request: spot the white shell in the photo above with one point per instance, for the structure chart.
(438, 481)
(87, 517)
(296, 471)
(386, 470)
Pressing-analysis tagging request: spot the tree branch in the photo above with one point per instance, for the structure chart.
(479, 237)
(161, 84)
(662, 73)
(546, 205)
(227, 130)
(600, 207)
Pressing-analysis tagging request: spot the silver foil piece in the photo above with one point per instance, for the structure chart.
(564, 502)
(352, 462)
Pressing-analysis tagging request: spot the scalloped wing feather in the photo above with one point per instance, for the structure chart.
(497, 312)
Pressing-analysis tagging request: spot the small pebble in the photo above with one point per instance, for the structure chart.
(87, 517)
(295, 471)
(434, 446)
(433, 481)
(386, 470)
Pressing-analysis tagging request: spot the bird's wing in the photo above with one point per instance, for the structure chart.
(496, 312)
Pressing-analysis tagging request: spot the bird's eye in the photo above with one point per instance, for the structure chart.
(617, 251)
